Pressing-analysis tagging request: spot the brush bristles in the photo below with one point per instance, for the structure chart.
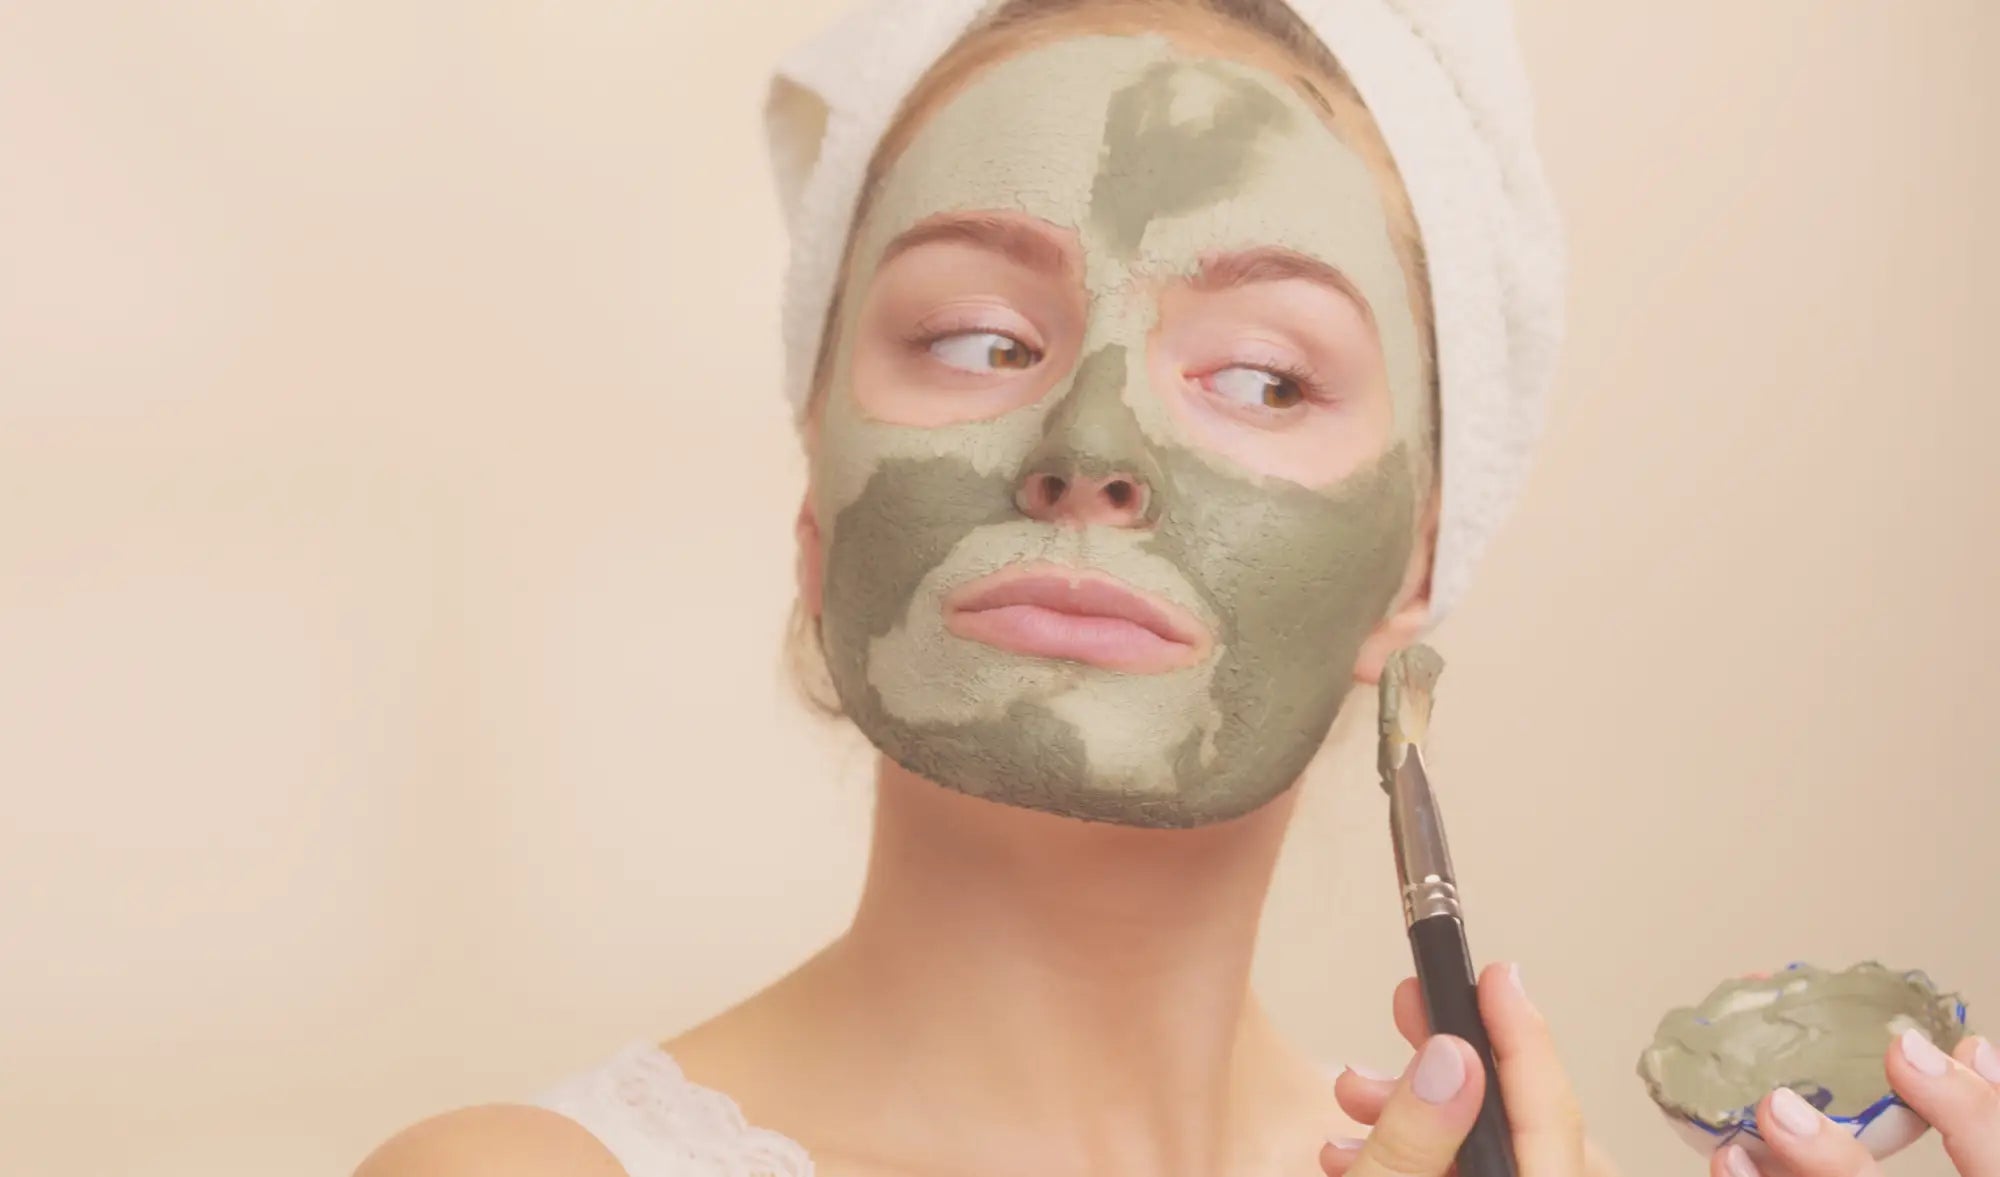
(1408, 688)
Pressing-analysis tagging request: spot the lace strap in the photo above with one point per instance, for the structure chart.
(657, 1123)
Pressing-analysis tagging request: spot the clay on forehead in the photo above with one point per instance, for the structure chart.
(1154, 156)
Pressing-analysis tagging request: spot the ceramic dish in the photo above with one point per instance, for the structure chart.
(1822, 1033)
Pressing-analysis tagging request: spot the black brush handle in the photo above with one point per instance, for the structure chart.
(1451, 999)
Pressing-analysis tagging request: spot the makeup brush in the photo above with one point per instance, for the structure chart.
(1430, 894)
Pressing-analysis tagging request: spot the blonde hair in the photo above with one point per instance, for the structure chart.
(1020, 24)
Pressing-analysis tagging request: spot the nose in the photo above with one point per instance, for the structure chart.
(1118, 499)
(1093, 466)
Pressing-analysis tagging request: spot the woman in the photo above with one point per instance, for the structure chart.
(1124, 419)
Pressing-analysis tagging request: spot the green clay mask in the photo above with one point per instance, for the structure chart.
(1153, 159)
(1821, 1032)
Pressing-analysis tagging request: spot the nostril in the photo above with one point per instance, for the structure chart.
(1119, 499)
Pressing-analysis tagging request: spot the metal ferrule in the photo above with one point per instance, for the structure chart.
(1423, 861)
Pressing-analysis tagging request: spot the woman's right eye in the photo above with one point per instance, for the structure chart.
(983, 351)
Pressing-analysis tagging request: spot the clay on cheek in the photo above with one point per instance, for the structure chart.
(1154, 160)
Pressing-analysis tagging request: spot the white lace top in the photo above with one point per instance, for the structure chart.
(660, 1124)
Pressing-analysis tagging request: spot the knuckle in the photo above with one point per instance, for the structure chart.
(1402, 1154)
(1852, 1158)
(1569, 1114)
(1966, 1104)
(1982, 1103)
(1546, 1107)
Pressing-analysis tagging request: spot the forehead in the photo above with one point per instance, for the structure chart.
(1145, 150)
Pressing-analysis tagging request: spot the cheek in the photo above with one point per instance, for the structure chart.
(909, 517)
(891, 382)
(1295, 567)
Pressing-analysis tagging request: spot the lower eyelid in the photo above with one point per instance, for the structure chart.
(935, 366)
(1261, 417)
(1242, 408)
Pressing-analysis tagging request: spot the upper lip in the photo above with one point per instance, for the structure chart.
(1079, 592)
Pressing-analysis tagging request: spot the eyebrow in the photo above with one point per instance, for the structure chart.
(1271, 264)
(1010, 239)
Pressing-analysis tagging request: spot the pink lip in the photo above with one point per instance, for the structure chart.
(1050, 612)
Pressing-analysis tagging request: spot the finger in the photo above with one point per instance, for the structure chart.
(1408, 1006)
(1952, 1096)
(1340, 1154)
(1541, 1104)
(1362, 1092)
(1731, 1161)
(1808, 1143)
(1981, 1055)
(1425, 1118)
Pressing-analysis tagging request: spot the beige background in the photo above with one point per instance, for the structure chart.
(394, 545)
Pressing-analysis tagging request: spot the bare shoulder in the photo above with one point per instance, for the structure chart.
(492, 1140)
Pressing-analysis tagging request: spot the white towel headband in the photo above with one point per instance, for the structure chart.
(1444, 81)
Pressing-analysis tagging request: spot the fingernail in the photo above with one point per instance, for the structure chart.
(1738, 1162)
(1923, 1053)
(1440, 1072)
(1514, 976)
(1795, 1115)
(1371, 1073)
(1346, 1143)
(1986, 1061)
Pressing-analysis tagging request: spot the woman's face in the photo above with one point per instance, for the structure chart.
(1113, 474)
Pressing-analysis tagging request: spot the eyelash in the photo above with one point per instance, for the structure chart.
(921, 340)
(1310, 389)
(926, 334)
(921, 343)
(1308, 384)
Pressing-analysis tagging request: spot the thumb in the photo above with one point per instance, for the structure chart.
(1425, 1119)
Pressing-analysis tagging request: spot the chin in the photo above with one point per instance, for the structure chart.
(1047, 782)
(1149, 813)
(1158, 753)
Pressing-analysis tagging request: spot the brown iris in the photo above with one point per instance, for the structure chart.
(1281, 392)
(1007, 352)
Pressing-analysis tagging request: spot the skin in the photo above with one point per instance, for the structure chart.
(1144, 170)
(1020, 984)
(1409, 1136)
(1021, 992)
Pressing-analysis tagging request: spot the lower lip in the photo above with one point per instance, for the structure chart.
(1110, 642)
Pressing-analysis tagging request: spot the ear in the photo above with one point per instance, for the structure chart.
(811, 557)
(1410, 616)
(809, 564)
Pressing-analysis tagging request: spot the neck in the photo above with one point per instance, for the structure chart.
(1083, 988)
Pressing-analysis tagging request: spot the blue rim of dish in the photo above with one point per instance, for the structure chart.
(1744, 1119)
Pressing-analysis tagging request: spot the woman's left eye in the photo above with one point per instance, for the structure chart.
(1256, 386)
(983, 351)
